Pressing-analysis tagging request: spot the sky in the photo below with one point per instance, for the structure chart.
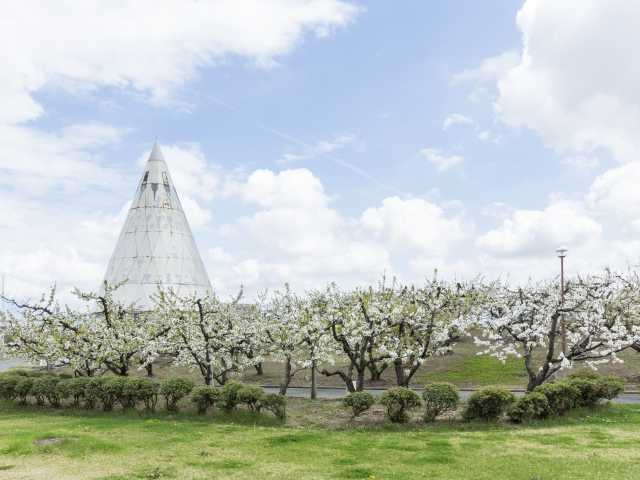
(314, 141)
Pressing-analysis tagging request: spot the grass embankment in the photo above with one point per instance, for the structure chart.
(63, 444)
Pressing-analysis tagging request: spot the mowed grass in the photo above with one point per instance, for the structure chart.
(63, 444)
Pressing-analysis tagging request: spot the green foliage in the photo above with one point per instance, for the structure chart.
(276, 404)
(205, 397)
(488, 403)
(173, 390)
(561, 395)
(8, 386)
(398, 401)
(147, 392)
(110, 389)
(588, 391)
(251, 396)
(531, 406)
(72, 388)
(584, 374)
(45, 388)
(229, 395)
(92, 391)
(23, 389)
(610, 387)
(358, 402)
(439, 398)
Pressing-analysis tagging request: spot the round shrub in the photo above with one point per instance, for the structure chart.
(147, 393)
(45, 388)
(439, 398)
(72, 388)
(229, 395)
(488, 403)
(562, 396)
(109, 391)
(8, 386)
(531, 406)
(588, 391)
(173, 390)
(358, 402)
(251, 396)
(92, 391)
(205, 397)
(610, 387)
(398, 401)
(23, 389)
(276, 404)
(584, 374)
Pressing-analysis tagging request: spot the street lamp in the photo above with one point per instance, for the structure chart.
(562, 253)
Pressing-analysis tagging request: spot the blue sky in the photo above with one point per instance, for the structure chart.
(323, 140)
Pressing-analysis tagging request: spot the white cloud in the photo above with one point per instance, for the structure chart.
(143, 45)
(576, 82)
(490, 70)
(414, 223)
(441, 160)
(581, 162)
(457, 119)
(322, 147)
(538, 232)
(616, 193)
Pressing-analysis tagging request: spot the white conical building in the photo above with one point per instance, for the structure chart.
(156, 247)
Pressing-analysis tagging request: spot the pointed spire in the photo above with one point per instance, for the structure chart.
(156, 247)
(156, 153)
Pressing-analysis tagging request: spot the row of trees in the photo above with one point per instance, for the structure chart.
(335, 332)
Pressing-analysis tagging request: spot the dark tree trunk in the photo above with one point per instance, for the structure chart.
(286, 378)
(259, 369)
(314, 393)
(149, 369)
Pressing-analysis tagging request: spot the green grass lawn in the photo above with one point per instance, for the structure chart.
(595, 444)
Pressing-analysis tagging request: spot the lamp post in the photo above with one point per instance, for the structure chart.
(562, 253)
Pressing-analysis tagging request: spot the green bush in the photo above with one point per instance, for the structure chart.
(276, 404)
(251, 396)
(8, 386)
(358, 402)
(588, 391)
(45, 388)
(147, 393)
(23, 389)
(205, 397)
(531, 406)
(229, 395)
(561, 395)
(398, 401)
(488, 403)
(439, 398)
(109, 391)
(92, 391)
(72, 388)
(584, 374)
(610, 387)
(173, 390)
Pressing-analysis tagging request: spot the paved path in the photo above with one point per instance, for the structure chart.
(333, 393)
(7, 363)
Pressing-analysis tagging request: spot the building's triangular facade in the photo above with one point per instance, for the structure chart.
(156, 247)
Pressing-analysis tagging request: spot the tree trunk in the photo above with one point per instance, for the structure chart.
(360, 380)
(149, 369)
(259, 369)
(314, 393)
(286, 379)
(401, 379)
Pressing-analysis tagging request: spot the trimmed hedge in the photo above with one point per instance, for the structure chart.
(358, 402)
(561, 395)
(439, 398)
(205, 397)
(531, 406)
(488, 403)
(173, 390)
(398, 401)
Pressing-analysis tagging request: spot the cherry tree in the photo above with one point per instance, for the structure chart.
(296, 334)
(49, 335)
(598, 311)
(354, 321)
(421, 322)
(215, 337)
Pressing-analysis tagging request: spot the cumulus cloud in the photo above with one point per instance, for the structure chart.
(539, 232)
(457, 119)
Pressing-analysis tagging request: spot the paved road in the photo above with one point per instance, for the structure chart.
(335, 393)
(7, 363)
